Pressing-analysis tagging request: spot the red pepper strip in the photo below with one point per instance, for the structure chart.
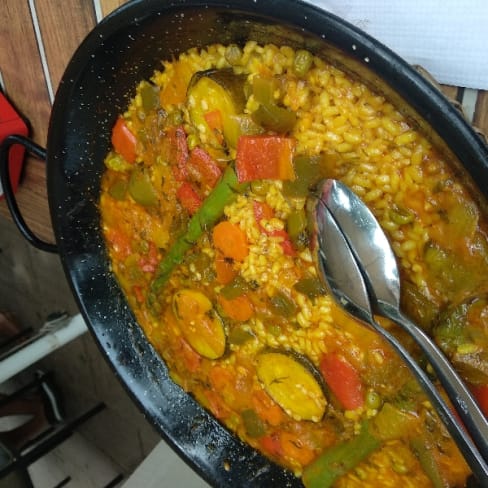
(481, 395)
(265, 157)
(203, 167)
(174, 150)
(124, 141)
(343, 380)
(188, 197)
(263, 211)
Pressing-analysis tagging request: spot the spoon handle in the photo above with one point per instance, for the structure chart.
(474, 457)
(464, 403)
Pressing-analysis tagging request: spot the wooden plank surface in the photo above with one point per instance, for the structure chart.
(37, 39)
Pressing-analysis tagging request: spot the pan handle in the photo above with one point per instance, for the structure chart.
(40, 153)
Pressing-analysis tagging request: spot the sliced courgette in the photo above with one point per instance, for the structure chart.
(199, 323)
(293, 383)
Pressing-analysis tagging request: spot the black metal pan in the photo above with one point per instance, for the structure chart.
(97, 85)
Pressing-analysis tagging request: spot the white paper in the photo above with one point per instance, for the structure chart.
(449, 38)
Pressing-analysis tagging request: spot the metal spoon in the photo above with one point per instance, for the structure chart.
(343, 277)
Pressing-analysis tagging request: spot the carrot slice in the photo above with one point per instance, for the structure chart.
(230, 240)
(239, 308)
(224, 269)
(265, 157)
(124, 141)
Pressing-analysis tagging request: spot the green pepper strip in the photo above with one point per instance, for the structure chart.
(207, 215)
(340, 459)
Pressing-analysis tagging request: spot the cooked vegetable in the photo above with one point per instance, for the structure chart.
(311, 287)
(309, 170)
(302, 62)
(292, 383)
(239, 308)
(207, 215)
(118, 189)
(282, 304)
(481, 395)
(343, 380)
(424, 453)
(274, 118)
(203, 167)
(149, 96)
(141, 188)
(237, 287)
(338, 460)
(188, 197)
(265, 157)
(224, 269)
(394, 423)
(216, 90)
(297, 228)
(252, 423)
(230, 240)
(199, 323)
(124, 141)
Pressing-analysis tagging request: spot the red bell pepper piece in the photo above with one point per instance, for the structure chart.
(124, 141)
(343, 380)
(265, 157)
(188, 197)
(481, 395)
(263, 211)
(203, 167)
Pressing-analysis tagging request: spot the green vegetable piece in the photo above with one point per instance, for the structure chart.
(274, 118)
(149, 96)
(393, 423)
(116, 162)
(337, 461)
(428, 462)
(239, 335)
(252, 423)
(237, 287)
(212, 209)
(264, 88)
(297, 226)
(310, 287)
(283, 305)
(240, 125)
(302, 62)
(309, 170)
(118, 189)
(141, 189)
(401, 216)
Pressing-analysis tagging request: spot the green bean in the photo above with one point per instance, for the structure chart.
(337, 461)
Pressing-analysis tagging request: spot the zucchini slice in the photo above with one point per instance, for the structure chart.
(199, 323)
(293, 383)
